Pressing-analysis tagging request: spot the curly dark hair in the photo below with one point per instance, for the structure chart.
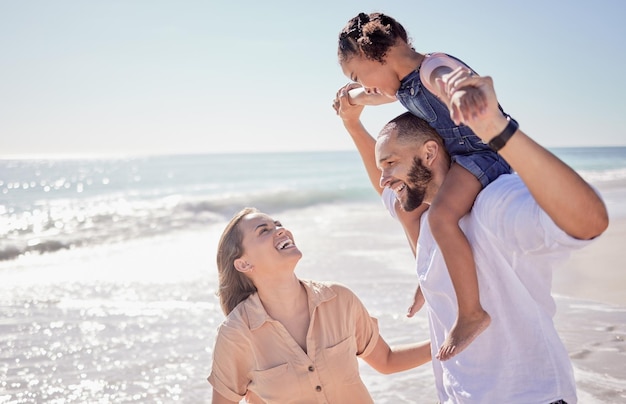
(370, 35)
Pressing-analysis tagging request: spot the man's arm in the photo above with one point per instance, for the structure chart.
(364, 142)
(569, 201)
(366, 145)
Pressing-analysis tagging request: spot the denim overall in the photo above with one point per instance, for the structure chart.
(464, 147)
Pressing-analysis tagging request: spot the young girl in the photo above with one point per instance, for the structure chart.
(289, 340)
(374, 51)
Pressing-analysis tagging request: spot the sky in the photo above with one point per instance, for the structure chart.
(129, 77)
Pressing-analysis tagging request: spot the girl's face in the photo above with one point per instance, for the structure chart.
(267, 245)
(375, 77)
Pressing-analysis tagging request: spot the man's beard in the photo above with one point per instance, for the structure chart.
(419, 177)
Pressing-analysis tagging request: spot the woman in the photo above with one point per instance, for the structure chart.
(290, 340)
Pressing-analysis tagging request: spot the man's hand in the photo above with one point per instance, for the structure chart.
(472, 101)
(347, 112)
(467, 101)
(570, 202)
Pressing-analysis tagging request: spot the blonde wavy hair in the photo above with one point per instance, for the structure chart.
(234, 286)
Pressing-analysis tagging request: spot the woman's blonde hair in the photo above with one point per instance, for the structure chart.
(234, 286)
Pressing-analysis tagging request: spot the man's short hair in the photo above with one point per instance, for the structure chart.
(411, 129)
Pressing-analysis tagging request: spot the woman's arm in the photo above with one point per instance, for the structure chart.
(388, 360)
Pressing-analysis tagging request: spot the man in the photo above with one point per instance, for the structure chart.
(520, 227)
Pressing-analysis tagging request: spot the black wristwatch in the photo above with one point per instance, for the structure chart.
(500, 140)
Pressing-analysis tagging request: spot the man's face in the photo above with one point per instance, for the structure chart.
(402, 170)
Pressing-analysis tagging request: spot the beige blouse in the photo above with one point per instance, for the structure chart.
(255, 353)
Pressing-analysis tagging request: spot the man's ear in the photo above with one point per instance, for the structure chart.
(242, 265)
(430, 152)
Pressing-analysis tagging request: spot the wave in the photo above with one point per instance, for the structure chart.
(615, 177)
(50, 226)
(48, 206)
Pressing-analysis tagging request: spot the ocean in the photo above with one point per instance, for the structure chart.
(108, 279)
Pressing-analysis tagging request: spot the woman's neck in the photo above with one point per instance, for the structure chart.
(289, 305)
(284, 298)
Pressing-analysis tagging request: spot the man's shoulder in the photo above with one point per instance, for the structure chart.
(501, 192)
(504, 205)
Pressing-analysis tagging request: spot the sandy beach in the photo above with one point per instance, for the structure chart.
(597, 272)
(129, 314)
(132, 326)
(588, 289)
(596, 343)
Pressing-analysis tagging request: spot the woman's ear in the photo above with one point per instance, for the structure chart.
(242, 265)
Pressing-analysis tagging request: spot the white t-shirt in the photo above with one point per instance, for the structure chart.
(519, 358)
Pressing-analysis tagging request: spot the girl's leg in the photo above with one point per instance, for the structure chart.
(453, 201)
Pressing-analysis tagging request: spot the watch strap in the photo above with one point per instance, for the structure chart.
(500, 140)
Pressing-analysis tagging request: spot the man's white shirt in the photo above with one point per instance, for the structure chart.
(519, 358)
